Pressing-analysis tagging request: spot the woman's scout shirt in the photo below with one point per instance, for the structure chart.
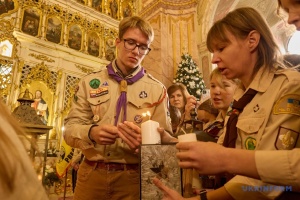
(271, 121)
(95, 104)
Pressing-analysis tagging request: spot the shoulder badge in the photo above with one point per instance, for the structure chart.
(286, 139)
(288, 104)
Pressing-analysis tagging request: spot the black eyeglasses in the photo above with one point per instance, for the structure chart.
(130, 44)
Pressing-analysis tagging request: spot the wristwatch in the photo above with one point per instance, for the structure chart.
(203, 195)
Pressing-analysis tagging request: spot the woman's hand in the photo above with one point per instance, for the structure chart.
(165, 136)
(169, 194)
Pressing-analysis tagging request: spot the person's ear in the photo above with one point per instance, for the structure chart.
(253, 39)
(117, 41)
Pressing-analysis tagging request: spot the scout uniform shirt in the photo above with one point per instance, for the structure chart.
(95, 104)
(271, 121)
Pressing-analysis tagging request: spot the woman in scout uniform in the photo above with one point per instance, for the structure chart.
(266, 101)
(106, 114)
(266, 104)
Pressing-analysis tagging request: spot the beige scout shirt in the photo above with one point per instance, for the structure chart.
(269, 122)
(147, 94)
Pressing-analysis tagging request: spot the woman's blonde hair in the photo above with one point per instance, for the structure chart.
(9, 157)
(240, 23)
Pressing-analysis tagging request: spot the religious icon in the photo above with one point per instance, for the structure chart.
(40, 106)
(93, 44)
(31, 22)
(54, 29)
(75, 37)
(113, 5)
(6, 6)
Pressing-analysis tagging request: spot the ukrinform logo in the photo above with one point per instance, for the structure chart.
(266, 188)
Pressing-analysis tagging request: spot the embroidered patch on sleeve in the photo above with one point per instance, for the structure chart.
(288, 104)
(286, 139)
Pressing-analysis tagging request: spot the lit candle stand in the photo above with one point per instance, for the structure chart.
(150, 135)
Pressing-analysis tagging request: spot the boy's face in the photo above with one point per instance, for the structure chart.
(130, 59)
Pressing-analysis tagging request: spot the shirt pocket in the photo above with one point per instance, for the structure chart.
(139, 102)
(99, 105)
(98, 100)
(248, 129)
(250, 125)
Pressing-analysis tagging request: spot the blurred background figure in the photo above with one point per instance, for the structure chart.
(177, 100)
(177, 96)
(18, 179)
(207, 113)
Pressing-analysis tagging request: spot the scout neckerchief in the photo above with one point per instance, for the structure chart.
(122, 101)
(237, 108)
(231, 131)
(214, 128)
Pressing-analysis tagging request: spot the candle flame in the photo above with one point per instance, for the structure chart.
(146, 114)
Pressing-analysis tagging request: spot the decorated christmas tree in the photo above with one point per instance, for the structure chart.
(189, 75)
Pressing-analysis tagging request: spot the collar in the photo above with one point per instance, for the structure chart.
(261, 82)
(119, 72)
(220, 117)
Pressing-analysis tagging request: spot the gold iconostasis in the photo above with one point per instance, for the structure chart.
(48, 46)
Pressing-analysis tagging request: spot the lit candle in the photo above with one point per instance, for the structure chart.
(150, 135)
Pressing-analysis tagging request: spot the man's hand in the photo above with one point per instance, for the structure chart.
(130, 134)
(105, 134)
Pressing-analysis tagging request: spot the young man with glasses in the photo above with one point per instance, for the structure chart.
(106, 114)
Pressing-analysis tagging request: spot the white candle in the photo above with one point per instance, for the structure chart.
(188, 175)
(150, 135)
(189, 137)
